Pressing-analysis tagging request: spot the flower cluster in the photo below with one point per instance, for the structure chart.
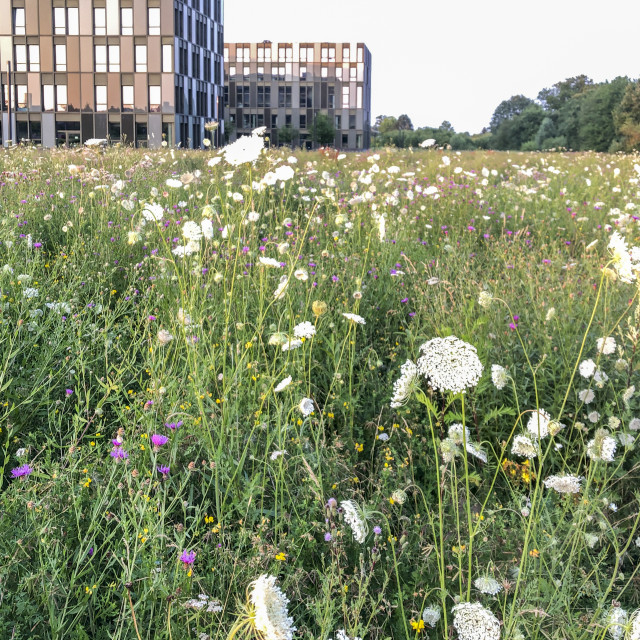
(405, 385)
(354, 519)
(473, 622)
(449, 364)
(271, 616)
(567, 483)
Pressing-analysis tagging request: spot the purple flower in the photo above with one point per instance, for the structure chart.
(116, 443)
(327, 537)
(69, 392)
(377, 530)
(158, 440)
(21, 472)
(119, 453)
(188, 557)
(332, 503)
(164, 470)
(173, 425)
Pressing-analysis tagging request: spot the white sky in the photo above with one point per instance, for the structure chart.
(456, 60)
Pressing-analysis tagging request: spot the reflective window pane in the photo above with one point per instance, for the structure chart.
(34, 57)
(99, 21)
(18, 21)
(154, 21)
(61, 57)
(101, 98)
(21, 57)
(141, 58)
(48, 101)
(61, 97)
(73, 27)
(114, 57)
(126, 21)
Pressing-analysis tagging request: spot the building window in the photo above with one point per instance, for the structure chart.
(338, 73)
(284, 96)
(141, 58)
(126, 21)
(21, 57)
(242, 96)
(34, 57)
(359, 97)
(338, 122)
(264, 96)
(303, 121)
(21, 91)
(101, 98)
(274, 121)
(260, 74)
(99, 21)
(127, 97)
(352, 121)
(100, 58)
(303, 73)
(61, 57)
(324, 72)
(345, 53)
(167, 58)
(114, 57)
(155, 97)
(154, 21)
(264, 53)
(345, 97)
(48, 97)
(306, 54)
(331, 94)
(245, 73)
(19, 24)
(73, 24)
(360, 54)
(345, 140)
(61, 97)
(353, 74)
(60, 21)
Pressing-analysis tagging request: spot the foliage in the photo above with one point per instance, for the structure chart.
(323, 130)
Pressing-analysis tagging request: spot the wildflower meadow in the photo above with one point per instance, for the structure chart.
(250, 393)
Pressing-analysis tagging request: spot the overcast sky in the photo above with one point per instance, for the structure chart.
(456, 60)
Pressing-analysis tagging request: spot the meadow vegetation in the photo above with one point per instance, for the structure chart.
(343, 396)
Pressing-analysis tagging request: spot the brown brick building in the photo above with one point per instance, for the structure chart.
(286, 84)
(134, 70)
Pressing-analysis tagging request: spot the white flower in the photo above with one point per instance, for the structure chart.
(538, 424)
(183, 317)
(628, 394)
(626, 439)
(270, 605)
(567, 483)
(30, 292)
(191, 231)
(499, 376)
(276, 454)
(458, 433)
(485, 299)
(306, 407)
(551, 314)
(487, 585)
(133, 237)
(594, 416)
(429, 142)
(207, 228)
(587, 396)
(173, 183)
(284, 172)
(476, 451)
(244, 149)
(354, 519)
(634, 424)
(164, 337)
(431, 615)
(523, 446)
(587, 368)
(473, 622)
(304, 330)
(616, 622)
(283, 384)
(602, 447)
(214, 161)
(153, 212)
(301, 274)
(278, 294)
(606, 345)
(290, 344)
(269, 262)
(405, 385)
(634, 629)
(449, 364)
(354, 318)
(600, 377)
(621, 258)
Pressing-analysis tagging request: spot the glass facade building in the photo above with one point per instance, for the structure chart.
(140, 71)
(284, 84)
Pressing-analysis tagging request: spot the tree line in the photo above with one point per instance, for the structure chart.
(575, 114)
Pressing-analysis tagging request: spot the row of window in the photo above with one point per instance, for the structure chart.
(243, 98)
(106, 58)
(66, 21)
(280, 73)
(253, 120)
(54, 97)
(305, 53)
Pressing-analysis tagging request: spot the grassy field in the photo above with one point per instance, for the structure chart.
(228, 408)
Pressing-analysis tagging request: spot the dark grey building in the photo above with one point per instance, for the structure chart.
(141, 71)
(285, 85)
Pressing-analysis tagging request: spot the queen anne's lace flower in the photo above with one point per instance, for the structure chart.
(499, 376)
(354, 519)
(152, 212)
(431, 615)
(449, 364)
(487, 585)
(616, 622)
(602, 447)
(306, 406)
(304, 330)
(523, 446)
(405, 385)
(564, 484)
(622, 262)
(283, 384)
(191, 231)
(485, 299)
(270, 605)
(291, 344)
(473, 622)
(269, 262)
(633, 632)
(354, 317)
(538, 424)
(606, 345)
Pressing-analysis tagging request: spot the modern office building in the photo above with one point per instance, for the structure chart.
(141, 71)
(285, 85)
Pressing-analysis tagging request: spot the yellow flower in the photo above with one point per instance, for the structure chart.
(417, 626)
(281, 556)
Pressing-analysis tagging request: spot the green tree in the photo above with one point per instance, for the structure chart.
(287, 135)
(560, 93)
(513, 132)
(404, 123)
(323, 130)
(388, 124)
(546, 130)
(627, 117)
(509, 109)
